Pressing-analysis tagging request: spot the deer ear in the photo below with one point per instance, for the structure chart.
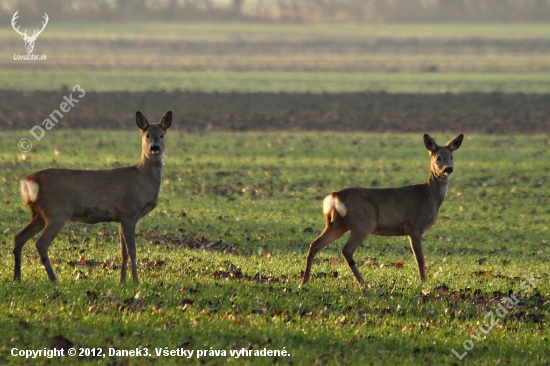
(166, 121)
(141, 121)
(429, 142)
(455, 143)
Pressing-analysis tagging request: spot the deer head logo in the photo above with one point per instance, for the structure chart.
(29, 41)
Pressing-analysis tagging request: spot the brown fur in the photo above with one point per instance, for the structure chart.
(409, 211)
(123, 195)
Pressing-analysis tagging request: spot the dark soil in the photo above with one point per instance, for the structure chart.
(194, 111)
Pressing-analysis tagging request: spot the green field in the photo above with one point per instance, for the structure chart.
(273, 81)
(220, 257)
(250, 57)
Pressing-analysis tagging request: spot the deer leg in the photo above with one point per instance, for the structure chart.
(416, 246)
(128, 231)
(332, 231)
(33, 227)
(124, 257)
(355, 239)
(43, 243)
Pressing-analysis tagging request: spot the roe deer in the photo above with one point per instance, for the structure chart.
(409, 210)
(124, 195)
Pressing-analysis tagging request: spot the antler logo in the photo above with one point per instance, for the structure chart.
(29, 41)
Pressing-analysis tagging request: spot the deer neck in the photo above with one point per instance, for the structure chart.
(438, 185)
(151, 167)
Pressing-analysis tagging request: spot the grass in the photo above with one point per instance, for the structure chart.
(220, 257)
(273, 81)
(412, 58)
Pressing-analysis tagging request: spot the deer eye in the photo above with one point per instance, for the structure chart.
(438, 159)
(161, 136)
(147, 136)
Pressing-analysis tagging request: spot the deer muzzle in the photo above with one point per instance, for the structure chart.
(448, 170)
(155, 149)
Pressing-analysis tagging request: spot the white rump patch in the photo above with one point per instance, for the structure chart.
(340, 207)
(331, 201)
(328, 204)
(29, 190)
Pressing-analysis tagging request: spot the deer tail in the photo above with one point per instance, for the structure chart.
(29, 191)
(333, 206)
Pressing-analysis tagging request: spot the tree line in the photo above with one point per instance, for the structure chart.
(285, 10)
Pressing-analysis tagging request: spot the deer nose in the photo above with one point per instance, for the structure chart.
(155, 149)
(448, 170)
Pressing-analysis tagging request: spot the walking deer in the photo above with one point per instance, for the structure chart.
(409, 210)
(123, 195)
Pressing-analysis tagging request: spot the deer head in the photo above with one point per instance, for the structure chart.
(442, 156)
(153, 135)
(29, 41)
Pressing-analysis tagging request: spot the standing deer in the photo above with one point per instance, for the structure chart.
(409, 210)
(124, 195)
(29, 41)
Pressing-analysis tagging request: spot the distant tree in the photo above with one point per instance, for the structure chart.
(539, 10)
(236, 8)
(289, 10)
(409, 10)
(451, 10)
